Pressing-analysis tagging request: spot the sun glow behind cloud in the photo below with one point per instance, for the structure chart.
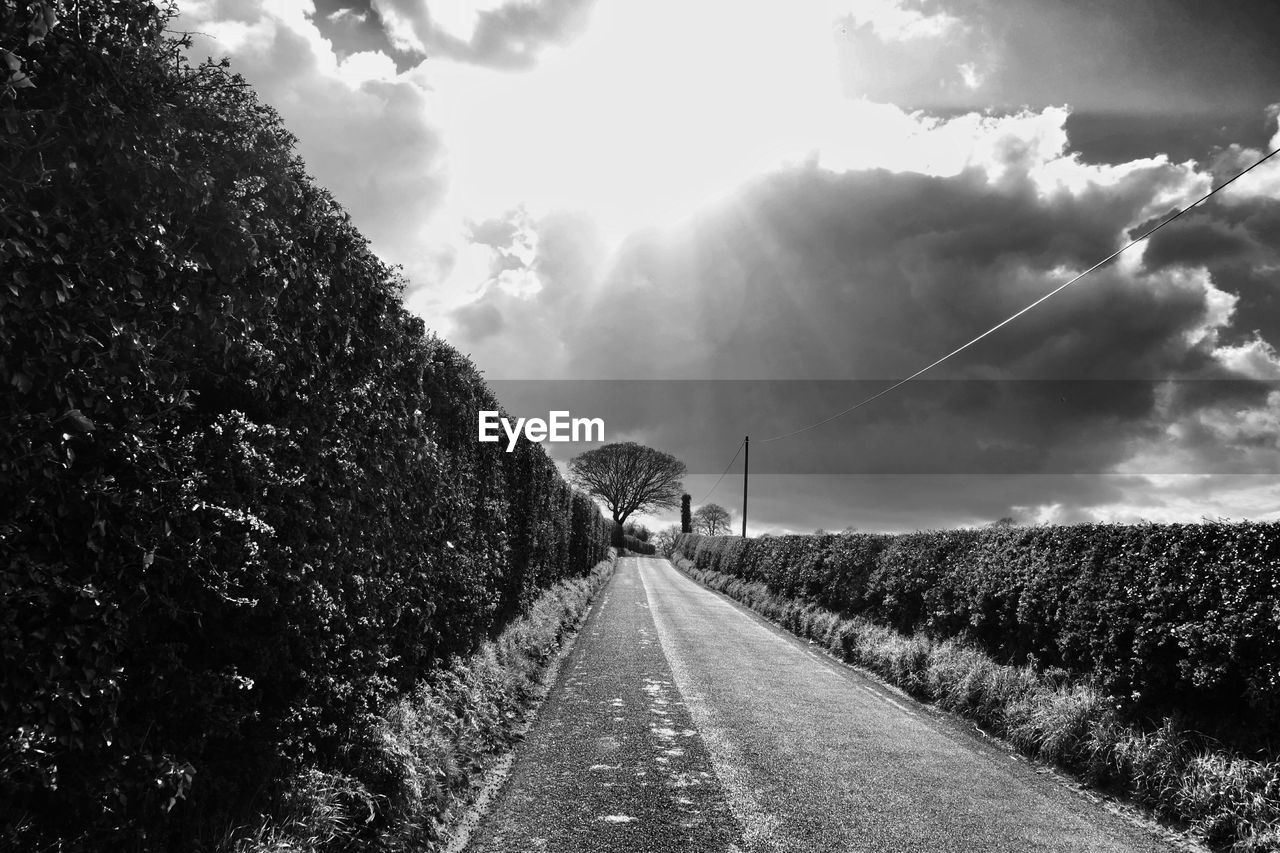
(650, 114)
(703, 120)
(662, 107)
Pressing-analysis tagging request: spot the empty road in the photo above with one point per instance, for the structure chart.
(681, 721)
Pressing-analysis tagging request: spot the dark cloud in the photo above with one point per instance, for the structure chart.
(497, 233)
(809, 290)
(871, 274)
(1240, 247)
(929, 427)
(478, 321)
(510, 36)
(1112, 136)
(1142, 77)
(355, 26)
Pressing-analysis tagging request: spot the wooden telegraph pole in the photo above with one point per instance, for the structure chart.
(746, 461)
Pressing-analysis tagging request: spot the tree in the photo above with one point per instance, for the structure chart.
(666, 541)
(629, 478)
(639, 531)
(686, 519)
(711, 520)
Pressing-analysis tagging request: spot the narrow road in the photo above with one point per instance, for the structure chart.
(681, 721)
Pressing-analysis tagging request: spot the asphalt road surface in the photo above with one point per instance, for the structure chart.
(681, 721)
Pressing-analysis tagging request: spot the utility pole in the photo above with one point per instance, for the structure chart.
(746, 462)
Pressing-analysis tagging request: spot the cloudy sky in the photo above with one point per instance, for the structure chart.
(743, 216)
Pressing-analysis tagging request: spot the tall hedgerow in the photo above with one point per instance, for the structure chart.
(1177, 618)
(241, 504)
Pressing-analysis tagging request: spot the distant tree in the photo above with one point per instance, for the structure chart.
(686, 520)
(1007, 521)
(665, 541)
(639, 531)
(819, 532)
(629, 478)
(712, 520)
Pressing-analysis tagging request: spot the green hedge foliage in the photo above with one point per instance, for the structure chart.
(242, 504)
(1182, 617)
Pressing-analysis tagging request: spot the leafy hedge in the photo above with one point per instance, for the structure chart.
(241, 501)
(1228, 799)
(428, 756)
(1182, 617)
(638, 546)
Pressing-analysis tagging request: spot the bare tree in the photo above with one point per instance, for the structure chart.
(629, 478)
(711, 520)
(665, 541)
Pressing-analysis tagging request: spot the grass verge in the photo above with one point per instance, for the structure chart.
(1233, 802)
(418, 765)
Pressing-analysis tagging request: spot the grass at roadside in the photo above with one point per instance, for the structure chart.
(1232, 801)
(422, 760)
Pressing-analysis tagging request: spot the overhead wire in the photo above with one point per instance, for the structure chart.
(741, 444)
(1019, 313)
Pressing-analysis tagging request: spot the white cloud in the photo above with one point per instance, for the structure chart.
(399, 28)
(970, 75)
(891, 20)
(1262, 182)
(365, 66)
(348, 14)
(1255, 359)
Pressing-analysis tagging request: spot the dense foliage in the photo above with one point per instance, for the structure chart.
(1182, 617)
(241, 501)
(424, 760)
(638, 546)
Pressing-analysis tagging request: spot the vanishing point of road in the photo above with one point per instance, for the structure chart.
(682, 721)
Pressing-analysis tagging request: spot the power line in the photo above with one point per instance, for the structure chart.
(726, 471)
(1015, 316)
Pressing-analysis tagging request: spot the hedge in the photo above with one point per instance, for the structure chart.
(242, 506)
(1180, 617)
(638, 546)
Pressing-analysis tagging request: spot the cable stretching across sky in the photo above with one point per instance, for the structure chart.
(724, 472)
(1008, 319)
